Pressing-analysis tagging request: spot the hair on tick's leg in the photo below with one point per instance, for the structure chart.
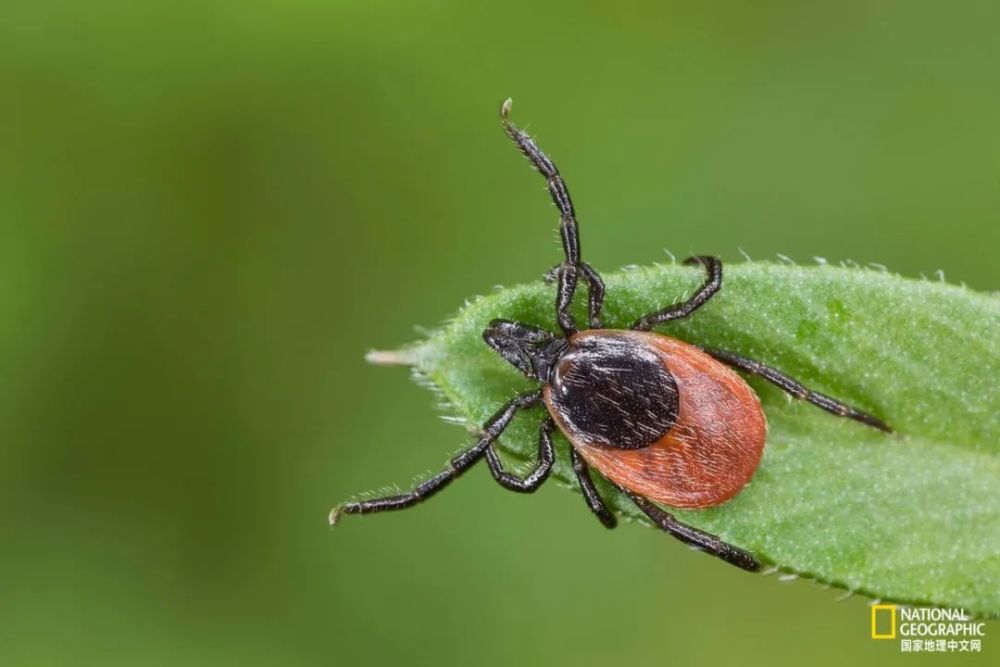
(797, 389)
(459, 464)
(697, 538)
(569, 231)
(590, 493)
(712, 284)
(534, 479)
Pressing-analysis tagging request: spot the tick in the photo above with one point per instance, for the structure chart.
(666, 422)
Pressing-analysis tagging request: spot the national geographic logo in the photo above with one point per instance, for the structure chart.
(888, 621)
(927, 629)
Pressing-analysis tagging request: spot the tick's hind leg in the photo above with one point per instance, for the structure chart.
(535, 478)
(677, 311)
(491, 431)
(797, 389)
(590, 493)
(696, 538)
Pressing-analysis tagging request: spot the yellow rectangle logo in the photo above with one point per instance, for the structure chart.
(891, 608)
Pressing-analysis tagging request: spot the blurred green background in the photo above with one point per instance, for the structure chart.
(211, 210)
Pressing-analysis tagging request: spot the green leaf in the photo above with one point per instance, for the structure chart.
(912, 517)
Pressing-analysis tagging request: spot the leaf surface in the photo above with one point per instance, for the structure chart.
(912, 517)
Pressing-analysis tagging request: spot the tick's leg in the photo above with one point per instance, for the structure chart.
(595, 291)
(534, 479)
(713, 282)
(595, 295)
(797, 389)
(491, 431)
(569, 231)
(565, 288)
(590, 493)
(696, 538)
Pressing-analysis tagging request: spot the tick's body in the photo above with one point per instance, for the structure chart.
(657, 416)
(663, 420)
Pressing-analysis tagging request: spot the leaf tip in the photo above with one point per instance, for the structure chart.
(334, 516)
(404, 357)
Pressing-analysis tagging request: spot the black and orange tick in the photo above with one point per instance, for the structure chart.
(664, 421)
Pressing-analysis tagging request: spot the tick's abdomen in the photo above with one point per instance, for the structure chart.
(657, 416)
